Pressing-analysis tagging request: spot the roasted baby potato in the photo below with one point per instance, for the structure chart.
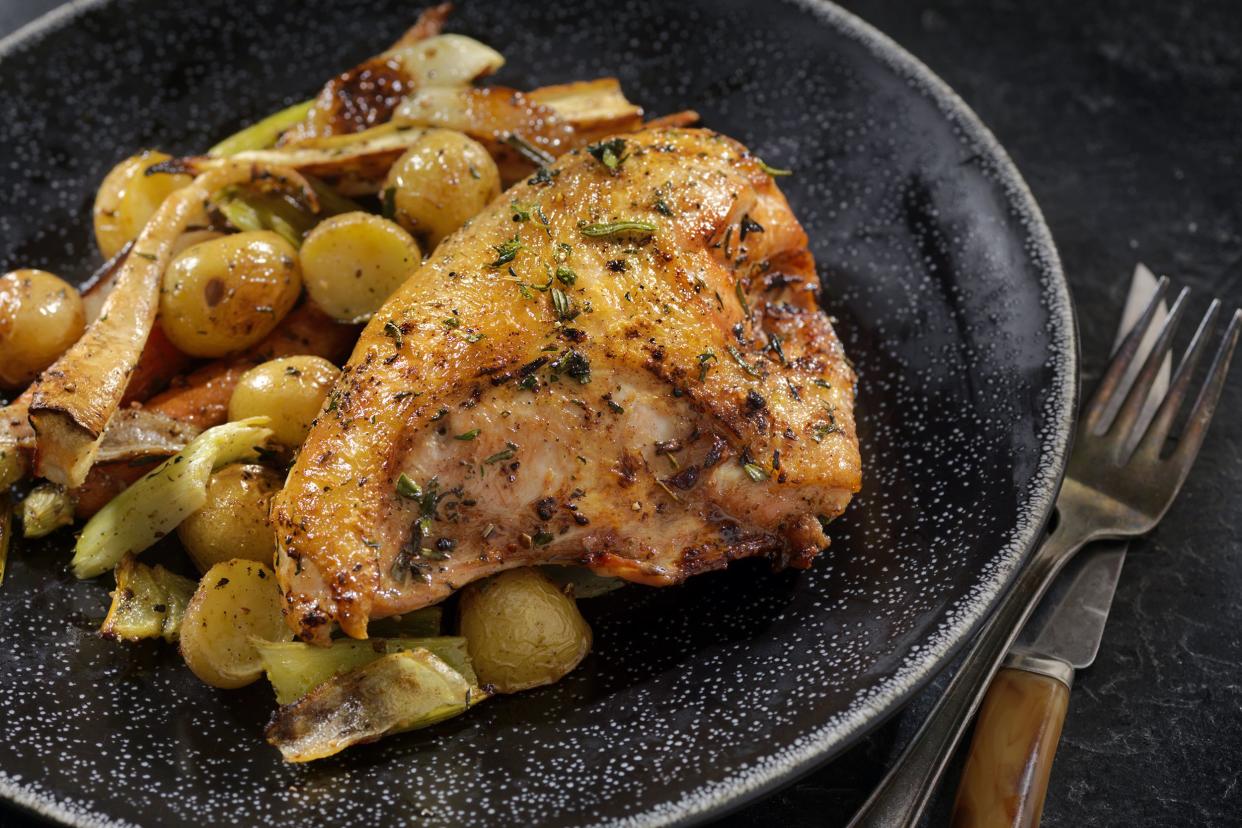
(233, 522)
(353, 262)
(235, 601)
(41, 315)
(521, 630)
(440, 183)
(226, 294)
(128, 197)
(288, 391)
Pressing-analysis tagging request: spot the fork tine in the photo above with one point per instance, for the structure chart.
(1205, 404)
(1158, 429)
(1136, 399)
(1121, 360)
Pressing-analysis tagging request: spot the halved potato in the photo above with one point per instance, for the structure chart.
(236, 602)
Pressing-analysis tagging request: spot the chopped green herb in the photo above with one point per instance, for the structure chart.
(755, 472)
(452, 322)
(566, 276)
(388, 208)
(541, 538)
(775, 345)
(469, 435)
(740, 360)
(610, 153)
(439, 415)
(507, 454)
(148, 256)
(705, 363)
(614, 407)
(473, 337)
(392, 329)
(616, 228)
(822, 383)
(521, 212)
(741, 297)
(408, 488)
(474, 172)
(507, 251)
(749, 226)
(772, 171)
(575, 364)
(542, 177)
(662, 206)
(528, 383)
(532, 153)
(562, 305)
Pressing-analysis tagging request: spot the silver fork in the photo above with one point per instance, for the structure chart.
(1119, 483)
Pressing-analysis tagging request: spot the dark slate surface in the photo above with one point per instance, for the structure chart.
(1127, 124)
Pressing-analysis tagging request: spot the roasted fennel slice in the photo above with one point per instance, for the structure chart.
(295, 668)
(148, 602)
(394, 693)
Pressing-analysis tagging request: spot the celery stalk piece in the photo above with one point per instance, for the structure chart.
(394, 693)
(152, 507)
(263, 134)
(295, 669)
(47, 508)
(421, 623)
(148, 602)
(6, 531)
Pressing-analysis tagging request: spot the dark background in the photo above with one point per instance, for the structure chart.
(1126, 121)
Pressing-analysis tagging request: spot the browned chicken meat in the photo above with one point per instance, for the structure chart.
(621, 363)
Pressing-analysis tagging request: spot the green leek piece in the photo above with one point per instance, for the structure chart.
(263, 134)
(148, 602)
(294, 668)
(47, 508)
(156, 504)
(394, 693)
(6, 531)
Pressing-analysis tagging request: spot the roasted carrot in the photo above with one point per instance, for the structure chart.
(202, 398)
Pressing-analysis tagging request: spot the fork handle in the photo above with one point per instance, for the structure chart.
(903, 793)
(1016, 736)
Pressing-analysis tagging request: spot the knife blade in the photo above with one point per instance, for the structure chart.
(1069, 623)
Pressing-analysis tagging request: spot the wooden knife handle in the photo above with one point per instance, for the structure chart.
(1016, 735)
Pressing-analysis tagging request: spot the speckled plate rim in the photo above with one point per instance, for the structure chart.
(816, 747)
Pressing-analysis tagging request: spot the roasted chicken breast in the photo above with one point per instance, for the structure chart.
(621, 363)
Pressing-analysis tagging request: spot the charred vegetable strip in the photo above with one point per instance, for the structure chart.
(74, 399)
(397, 692)
(152, 507)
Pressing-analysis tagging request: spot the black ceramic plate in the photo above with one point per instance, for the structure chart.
(949, 298)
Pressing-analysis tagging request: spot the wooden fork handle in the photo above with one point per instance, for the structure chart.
(1016, 735)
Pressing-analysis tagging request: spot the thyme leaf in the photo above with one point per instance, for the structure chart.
(616, 228)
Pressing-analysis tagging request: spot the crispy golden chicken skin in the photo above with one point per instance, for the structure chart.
(620, 363)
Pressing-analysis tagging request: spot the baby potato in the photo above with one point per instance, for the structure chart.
(226, 294)
(521, 630)
(235, 600)
(353, 262)
(440, 183)
(233, 522)
(288, 391)
(128, 197)
(41, 315)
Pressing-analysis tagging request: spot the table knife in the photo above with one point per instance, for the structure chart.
(1019, 723)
